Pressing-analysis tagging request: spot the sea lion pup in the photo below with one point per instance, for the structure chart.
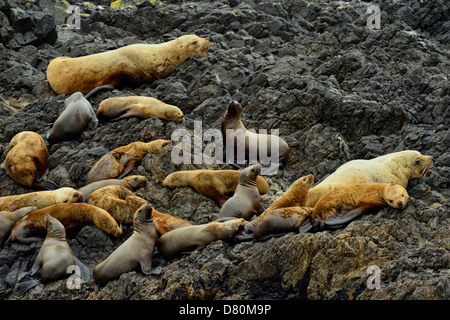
(138, 106)
(246, 200)
(9, 218)
(197, 237)
(346, 203)
(73, 216)
(164, 222)
(130, 182)
(113, 199)
(136, 251)
(218, 185)
(54, 258)
(26, 161)
(234, 134)
(295, 196)
(280, 221)
(41, 199)
(121, 161)
(397, 167)
(130, 65)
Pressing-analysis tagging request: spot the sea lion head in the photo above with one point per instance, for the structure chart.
(395, 196)
(249, 174)
(54, 226)
(304, 182)
(194, 44)
(68, 195)
(228, 229)
(135, 181)
(234, 110)
(144, 213)
(173, 113)
(420, 164)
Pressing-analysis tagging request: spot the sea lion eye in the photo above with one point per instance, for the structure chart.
(417, 161)
(76, 195)
(304, 179)
(194, 43)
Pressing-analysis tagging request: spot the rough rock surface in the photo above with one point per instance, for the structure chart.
(335, 89)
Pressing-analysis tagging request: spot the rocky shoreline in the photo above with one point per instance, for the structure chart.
(336, 91)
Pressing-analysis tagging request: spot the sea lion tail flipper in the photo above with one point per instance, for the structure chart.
(342, 218)
(98, 151)
(95, 90)
(308, 226)
(85, 271)
(49, 185)
(23, 287)
(243, 237)
(128, 168)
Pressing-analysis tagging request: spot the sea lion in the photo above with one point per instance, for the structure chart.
(164, 222)
(295, 196)
(280, 221)
(76, 117)
(73, 216)
(26, 161)
(130, 65)
(234, 134)
(113, 199)
(138, 106)
(346, 203)
(246, 200)
(54, 258)
(9, 218)
(121, 161)
(218, 185)
(197, 237)
(130, 182)
(41, 199)
(136, 251)
(397, 167)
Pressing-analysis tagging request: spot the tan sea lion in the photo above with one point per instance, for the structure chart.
(54, 258)
(246, 200)
(295, 196)
(41, 199)
(26, 161)
(73, 216)
(346, 203)
(138, 106)
(397, 167)
(280, 221)
(197, 237)
(130, 65)
(136, 251)
(130, 182)
(9, 218)
(113, 199)
(164, 222)
(231, 122)
(120, 161)
(218, 185)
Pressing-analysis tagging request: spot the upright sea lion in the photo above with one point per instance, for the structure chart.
(397, 167)
(246, 200)
(280, 221)
(130, 65)
(218, 185)
(164, 222)
(197, 237)
(26, 161)
(120, 161)
(40, 199)
(295, 196)
(54, 258)
(113, 199)
(73, 216)
(136, 251)
(138, 106)
(346, 203)
(235, 134)
(9, 218)
(130, 182)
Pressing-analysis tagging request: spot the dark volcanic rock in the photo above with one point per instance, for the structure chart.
(335, 89)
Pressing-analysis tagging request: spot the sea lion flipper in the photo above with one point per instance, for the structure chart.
(308, 226)
(146, 266)
(23, 287)
(85, 271)
(343, 218)
(49, 185)
(128, 168)
(98, 151)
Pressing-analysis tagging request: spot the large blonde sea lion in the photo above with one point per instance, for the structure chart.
(120, 161)
(138, 106)
(218, 185)
(197, 237)
(73, 216)
(40, 199)
(136, 251)
(54, 258)
(26, 161)
(130, 65)
(235, 134)
(397, 167)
